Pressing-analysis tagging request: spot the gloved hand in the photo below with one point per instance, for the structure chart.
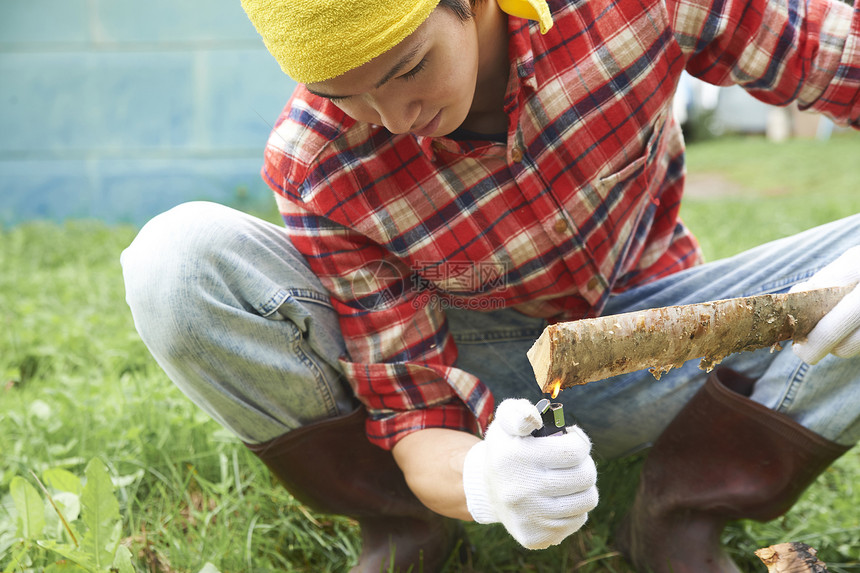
(540, 489)
(838, 332)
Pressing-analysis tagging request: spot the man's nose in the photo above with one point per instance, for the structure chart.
(398, 117)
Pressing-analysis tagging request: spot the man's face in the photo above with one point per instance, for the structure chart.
(424, 85)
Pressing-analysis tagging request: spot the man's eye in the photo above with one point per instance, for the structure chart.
(415, 71)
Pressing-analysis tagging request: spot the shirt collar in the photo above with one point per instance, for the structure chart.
(520, 51)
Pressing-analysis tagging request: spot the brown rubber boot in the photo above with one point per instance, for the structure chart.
(331, 467)
(723, 457)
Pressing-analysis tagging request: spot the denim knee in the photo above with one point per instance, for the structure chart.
(159, 279)
(232, 313)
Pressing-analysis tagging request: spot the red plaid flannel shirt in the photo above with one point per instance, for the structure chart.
(580, 201)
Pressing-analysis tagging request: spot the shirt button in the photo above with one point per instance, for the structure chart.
(593, 283)
(516, 154)
(560, 226)
(437, 145)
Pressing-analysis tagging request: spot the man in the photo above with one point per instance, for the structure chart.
(454, 176)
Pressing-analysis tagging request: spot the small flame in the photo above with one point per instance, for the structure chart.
(556, 388)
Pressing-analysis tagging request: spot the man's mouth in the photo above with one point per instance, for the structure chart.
(431, 126)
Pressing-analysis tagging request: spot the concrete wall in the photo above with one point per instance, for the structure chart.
(119, 109)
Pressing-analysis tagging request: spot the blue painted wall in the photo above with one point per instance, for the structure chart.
(120, 109)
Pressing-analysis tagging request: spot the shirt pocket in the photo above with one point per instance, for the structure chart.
(634, 178)
(629, 197)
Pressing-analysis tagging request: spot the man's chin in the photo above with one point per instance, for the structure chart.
(446, 128)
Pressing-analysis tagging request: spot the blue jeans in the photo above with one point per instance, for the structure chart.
(232, 313)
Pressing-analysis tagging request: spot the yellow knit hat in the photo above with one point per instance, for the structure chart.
(316, 40)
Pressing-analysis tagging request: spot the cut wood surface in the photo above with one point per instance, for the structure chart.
(791, 558)
(582, 351)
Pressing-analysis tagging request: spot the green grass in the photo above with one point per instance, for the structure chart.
(76, 383)
(774, 190)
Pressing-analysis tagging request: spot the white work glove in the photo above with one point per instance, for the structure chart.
(540, 489)
(838, 332)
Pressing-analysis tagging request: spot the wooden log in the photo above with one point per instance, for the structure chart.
(581, 351)
(791, 558)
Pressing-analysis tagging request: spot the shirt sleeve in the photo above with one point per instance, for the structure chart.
(400, 355)
(780, 51)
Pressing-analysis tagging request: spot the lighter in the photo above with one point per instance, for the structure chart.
(552, 414)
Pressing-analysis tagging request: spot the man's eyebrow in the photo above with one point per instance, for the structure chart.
(395, 69)
(398, 67)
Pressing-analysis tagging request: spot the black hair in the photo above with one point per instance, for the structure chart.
(461, 8)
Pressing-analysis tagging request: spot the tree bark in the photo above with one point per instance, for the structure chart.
(581, 351)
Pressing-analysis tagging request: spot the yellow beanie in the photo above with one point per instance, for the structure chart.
(316, 40)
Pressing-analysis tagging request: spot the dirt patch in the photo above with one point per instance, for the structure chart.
(712, 185)
(715, 186)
